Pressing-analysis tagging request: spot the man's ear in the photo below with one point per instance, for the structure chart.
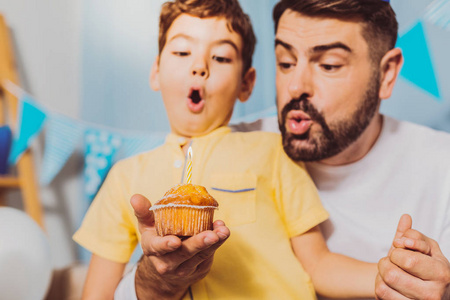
(390, 67)
(154, 75)
(248, 82)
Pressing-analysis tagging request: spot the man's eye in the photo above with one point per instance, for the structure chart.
(221, 59)
(285, 66)
(330, 68)
(181, 53)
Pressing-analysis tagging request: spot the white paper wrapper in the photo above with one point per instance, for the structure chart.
(182, 220)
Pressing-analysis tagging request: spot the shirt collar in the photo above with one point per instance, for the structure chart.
(179, 140)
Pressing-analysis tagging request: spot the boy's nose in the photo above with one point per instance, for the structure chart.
(199, 68)
(200, 72)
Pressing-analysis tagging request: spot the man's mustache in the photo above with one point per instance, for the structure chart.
(301, 103)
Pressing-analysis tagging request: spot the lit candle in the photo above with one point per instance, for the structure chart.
(189, 166)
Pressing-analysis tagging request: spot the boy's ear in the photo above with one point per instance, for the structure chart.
(154, 75)
(248, 82)
(390, 67)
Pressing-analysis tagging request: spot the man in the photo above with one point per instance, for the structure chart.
(335, 61)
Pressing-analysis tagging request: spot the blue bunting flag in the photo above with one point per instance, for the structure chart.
(137, 143)
(62, 135)
(418, 67)
(100, 149)
(30, 120)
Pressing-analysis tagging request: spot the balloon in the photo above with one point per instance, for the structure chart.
(25, 260)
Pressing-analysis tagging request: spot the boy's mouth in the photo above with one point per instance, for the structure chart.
(195, 100)
(195, 96)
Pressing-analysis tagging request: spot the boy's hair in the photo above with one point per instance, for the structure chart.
(228, 9)
(379, 24)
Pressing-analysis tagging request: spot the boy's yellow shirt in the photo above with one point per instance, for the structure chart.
(264, 198)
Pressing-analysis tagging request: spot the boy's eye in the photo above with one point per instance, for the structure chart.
(221, 59)
(330, 68)
(181, 53)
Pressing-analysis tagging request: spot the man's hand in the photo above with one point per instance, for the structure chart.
(169, 266)
(415, 267)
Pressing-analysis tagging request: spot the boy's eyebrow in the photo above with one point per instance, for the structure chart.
(218, 42)
(229, 42)
(180, 35)
(316, 49)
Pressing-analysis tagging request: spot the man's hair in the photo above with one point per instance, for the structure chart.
(379, 24)
(237, 20)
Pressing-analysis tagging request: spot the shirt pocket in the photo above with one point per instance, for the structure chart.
(236, 194)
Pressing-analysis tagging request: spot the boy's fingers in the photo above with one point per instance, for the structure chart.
(404, 224)
(141, 206)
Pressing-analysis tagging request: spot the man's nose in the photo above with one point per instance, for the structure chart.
(200, 68)
(301, 82)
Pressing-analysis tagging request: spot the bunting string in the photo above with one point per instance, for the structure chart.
(438, 13)
(102, 146)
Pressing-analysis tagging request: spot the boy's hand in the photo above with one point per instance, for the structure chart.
(415, 268)
(169, 266)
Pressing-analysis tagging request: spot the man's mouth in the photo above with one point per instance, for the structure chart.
(298, 122)
(195, 100)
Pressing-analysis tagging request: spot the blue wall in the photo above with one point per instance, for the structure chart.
(416, 98)
(120, 43)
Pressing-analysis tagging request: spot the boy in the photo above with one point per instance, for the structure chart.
(268, 202)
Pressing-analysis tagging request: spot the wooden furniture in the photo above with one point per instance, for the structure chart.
(24, 179)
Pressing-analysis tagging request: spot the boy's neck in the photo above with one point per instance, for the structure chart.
(184, 141)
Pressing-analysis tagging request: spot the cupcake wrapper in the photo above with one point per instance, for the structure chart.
(183, 221)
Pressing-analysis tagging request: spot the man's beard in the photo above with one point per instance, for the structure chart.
(334, 137)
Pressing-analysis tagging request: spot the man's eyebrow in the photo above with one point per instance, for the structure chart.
(316, 49)
(283, 44)
(323, 48)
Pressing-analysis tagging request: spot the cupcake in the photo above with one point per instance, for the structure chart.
(185, 210)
